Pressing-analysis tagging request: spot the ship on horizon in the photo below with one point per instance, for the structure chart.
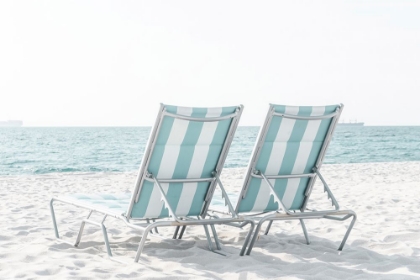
(11, 123)
(351, 123)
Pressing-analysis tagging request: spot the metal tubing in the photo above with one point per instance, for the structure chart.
(276, 198)
(310, 215)
(155, 229)
(248, 236)
(82, 226)
(326, 188)
(287, 116)
(189, 180)
(165, 199)
(182, 232)
(206, 230)
(108, 248)
(283, 176)
(143, 241)
(176, 232)
(255, 154)
(146, 159)
(215, 237)
(256, 233)
(305, 232)
(101, 225)
(329, 135)
(268, 227)
(213, 119)
(338, 218)
(151, 227)
(313, 215)
(53, 218)
(348, 232)
(225, 196)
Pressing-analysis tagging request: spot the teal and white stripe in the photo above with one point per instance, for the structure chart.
(290, 147)
(184, 149)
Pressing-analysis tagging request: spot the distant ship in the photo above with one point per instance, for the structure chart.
(355, 123)
(11, 123)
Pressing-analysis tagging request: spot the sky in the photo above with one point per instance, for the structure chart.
(111, 63)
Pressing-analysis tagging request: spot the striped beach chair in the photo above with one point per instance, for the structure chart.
(177, 177)
(284, 165)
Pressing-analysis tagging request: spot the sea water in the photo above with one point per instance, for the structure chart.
(31, 150)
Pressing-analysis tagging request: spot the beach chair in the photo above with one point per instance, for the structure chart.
(176, 180)
(284, 165)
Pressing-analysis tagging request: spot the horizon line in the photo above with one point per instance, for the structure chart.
(132, 126)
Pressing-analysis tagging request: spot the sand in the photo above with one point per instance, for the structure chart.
(384, 244)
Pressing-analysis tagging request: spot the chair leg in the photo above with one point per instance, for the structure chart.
(108, 248)
(206, 230)
(103, 228)
(268, 227)
(104, 233)
(143, 241)
(182, 232)
(82, 226)
(305, 232)
(254, 238)
(343, 242)
(349, 214)
(175, 236)
(53, 218)
(215, 237)
(348, 231)
(248, 236)
(156, 229)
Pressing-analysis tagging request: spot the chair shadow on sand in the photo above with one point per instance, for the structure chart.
(319, 260)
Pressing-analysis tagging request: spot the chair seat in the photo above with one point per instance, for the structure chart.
(115, 204)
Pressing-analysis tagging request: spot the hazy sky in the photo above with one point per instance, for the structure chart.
(108, 63)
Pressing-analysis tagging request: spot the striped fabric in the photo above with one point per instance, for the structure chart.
(183, 149)
(290, 146)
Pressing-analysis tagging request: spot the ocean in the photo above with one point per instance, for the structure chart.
(40, 150)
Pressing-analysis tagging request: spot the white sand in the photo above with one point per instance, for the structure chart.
(384, 244)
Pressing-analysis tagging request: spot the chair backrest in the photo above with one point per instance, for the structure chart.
(291, 143)
(186, 150)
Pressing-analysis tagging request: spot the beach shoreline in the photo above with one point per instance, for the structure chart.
(385, 241)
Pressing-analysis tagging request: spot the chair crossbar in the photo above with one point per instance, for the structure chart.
(257, 174)
(151, 179)
(323, 117)
(211, 119)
